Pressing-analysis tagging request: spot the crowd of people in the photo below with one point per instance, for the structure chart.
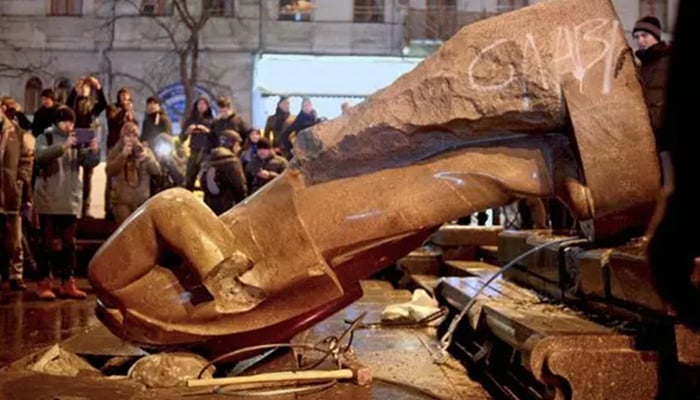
(48, 163)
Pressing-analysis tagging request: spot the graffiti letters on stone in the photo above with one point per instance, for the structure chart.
(576, 50)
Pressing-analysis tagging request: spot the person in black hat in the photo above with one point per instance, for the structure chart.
(44, 116)
(58, 201)
(264, 167)
(654, 54)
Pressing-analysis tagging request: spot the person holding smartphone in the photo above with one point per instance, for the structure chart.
(199, 130)
(58, 201)
(88, 101)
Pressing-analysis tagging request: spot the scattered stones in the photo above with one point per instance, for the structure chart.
(166, 370)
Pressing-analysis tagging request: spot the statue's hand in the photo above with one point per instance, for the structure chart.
(224, 284)
(170, 246)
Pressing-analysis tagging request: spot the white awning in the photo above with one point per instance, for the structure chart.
(327, 80)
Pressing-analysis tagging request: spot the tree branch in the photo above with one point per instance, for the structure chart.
(137, 79)
(181, 7)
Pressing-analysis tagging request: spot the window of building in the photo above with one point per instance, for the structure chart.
(156, 7)
(66, 7)
(32, 95)
(296, 10)
(656, 8)
(62, 88)
(510, 5)
(368, 11)
(218, 8)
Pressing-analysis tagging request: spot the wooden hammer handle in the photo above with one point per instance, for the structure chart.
(306, 376)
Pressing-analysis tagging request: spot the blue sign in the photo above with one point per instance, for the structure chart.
(172, 99)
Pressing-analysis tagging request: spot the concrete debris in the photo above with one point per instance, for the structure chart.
(59, 362)
(166, 370)
(420, 307)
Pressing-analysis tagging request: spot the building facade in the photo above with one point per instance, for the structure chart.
(150, 45)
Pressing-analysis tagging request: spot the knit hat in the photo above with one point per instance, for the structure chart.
(264, 143)
(229, 138)
(649, 24)
(64, 113)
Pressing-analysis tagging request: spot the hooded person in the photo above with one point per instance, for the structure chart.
(130, 165)
(222, 177)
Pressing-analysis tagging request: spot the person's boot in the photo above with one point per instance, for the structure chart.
(18, 285)
(44, 291)
(69, 289)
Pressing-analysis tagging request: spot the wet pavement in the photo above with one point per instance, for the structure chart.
(400, 358)
(28, 324)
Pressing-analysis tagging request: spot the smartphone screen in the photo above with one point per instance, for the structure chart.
(84, 136)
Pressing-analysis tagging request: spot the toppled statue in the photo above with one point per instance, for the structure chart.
(543, 101)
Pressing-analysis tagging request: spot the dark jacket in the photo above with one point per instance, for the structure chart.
(223, 180)
(86, 113)
(233, 122)
(24, 123)
(653, 73)
(274, 163)
(200, 141)
(302, 121)
(151, 129)
(16, 163)
(275, 125)
(116, 118)
(43, 119)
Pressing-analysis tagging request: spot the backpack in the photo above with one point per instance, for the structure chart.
(212, 181)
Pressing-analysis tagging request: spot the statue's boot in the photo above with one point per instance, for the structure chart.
(540, 102)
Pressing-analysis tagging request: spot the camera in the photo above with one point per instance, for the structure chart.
(10, 112)
(137, 150)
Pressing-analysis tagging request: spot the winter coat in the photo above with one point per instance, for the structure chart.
(232, 123)
(85, 116)
(302, 121)
(653, 73)
(116, 118)
(273, 163)
(223, 180)
(131, 179)
(43, 119)
(275, 125)
(58, 189)
(16, 152)
(203, 142)
(151, 129)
